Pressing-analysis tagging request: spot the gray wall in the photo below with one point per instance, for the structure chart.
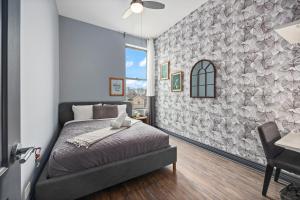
(257, 74)
(39, 78)
(89, 55)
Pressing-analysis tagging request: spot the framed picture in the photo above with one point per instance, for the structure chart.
(165, 71)
(177, 82)
(116, 86)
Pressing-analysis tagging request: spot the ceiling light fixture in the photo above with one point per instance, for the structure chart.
(136, 6)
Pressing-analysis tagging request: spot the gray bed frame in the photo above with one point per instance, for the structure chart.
(86, 182)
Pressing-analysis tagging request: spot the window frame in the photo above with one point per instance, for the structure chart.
(135, 79)
(206, 84)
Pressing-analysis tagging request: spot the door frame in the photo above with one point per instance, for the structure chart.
(10, 177)
(3, 121)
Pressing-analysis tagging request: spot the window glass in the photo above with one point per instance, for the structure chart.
(136, 77)
(136, 93)
(136, 63)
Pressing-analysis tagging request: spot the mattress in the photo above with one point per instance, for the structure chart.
(66, 158)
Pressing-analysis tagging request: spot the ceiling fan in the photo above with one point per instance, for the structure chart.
(137, 6)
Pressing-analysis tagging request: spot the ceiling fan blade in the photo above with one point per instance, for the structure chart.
(153, 5)
(127, 13)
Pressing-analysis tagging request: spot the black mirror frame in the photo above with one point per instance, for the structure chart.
(215, 76)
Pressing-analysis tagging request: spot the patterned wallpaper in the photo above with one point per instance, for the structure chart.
(258, 74)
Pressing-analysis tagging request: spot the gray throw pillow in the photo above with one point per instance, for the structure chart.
(105, 111)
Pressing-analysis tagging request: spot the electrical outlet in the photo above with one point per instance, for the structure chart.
(27, 191)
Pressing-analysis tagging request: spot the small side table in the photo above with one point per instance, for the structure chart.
(144, 119)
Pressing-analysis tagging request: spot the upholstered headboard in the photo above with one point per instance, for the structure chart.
(66, 113)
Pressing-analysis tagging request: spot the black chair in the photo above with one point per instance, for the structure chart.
(276, 156)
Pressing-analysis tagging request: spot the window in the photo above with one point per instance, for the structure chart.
(203, 80)
(136, 77)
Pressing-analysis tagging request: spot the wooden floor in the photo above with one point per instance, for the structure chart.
(200, 175)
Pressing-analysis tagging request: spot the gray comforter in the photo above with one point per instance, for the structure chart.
(66, 158)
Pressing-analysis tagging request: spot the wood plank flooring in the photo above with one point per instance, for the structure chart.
(200, 175)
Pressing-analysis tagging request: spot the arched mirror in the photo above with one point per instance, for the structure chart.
(203, 80)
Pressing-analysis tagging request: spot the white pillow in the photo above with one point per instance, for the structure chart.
(122, 109)
(83, 112)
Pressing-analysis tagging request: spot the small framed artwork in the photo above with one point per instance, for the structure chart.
(116, 86)
(165, 71)
(177, 82)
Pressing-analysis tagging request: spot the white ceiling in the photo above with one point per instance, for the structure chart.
(108, 14)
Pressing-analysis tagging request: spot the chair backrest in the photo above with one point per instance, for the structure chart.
(269, 134)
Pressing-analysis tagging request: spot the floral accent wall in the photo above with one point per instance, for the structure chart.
(258, 74)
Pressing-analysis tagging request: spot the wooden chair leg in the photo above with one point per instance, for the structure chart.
(174, 167)
(277, 173)
(268, 176)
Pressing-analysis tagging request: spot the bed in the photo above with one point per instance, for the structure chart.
(118, 158)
